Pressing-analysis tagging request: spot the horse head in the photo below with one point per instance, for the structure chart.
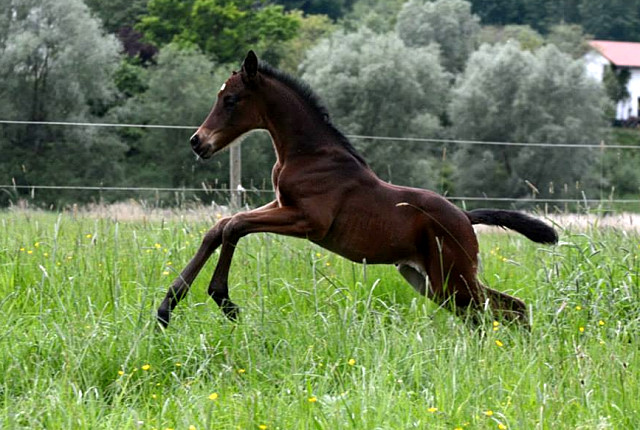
(236, 111)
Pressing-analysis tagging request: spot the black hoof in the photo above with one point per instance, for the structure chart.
(230, 310)
(163, 318)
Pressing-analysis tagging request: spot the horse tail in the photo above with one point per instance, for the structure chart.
(530, 227)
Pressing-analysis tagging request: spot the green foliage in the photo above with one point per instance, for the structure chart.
(618, 175)
(570, 39)
(448, 23)
(616, 82)
(312, 28)
(79, 346)
(377, 15)
(507, 94)
(55, 65)
(332, 8)
(115, 14)
(129, 78)
(375, 85)
(525, 36)
(224, 29)
(612, 20)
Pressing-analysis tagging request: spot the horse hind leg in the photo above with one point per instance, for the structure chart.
(505, 306)
(453, 276)
(414, 277)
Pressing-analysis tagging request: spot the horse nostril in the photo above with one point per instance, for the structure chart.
(195, 141)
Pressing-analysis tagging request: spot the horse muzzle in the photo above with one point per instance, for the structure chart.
(203, 145)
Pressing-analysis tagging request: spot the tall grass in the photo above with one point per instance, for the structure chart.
(322, 343)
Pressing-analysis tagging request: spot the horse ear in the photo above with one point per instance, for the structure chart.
(250, 65)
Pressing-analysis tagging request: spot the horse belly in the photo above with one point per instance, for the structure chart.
(370, 238)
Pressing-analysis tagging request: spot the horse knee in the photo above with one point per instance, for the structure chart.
(213, 237)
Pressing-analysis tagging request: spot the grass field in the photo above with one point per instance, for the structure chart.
(322, 343)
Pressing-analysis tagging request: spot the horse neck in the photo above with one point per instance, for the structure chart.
(295, 127)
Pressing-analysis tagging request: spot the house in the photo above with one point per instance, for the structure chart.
(624, 55)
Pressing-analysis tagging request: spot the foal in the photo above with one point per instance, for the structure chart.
(326, 193)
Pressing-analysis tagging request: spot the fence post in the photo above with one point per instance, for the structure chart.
(235, 176)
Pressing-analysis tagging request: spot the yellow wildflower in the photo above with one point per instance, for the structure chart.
(37, 244)
(498, 343)
(352, 361)
(263, 427)
(192, 427)
(88, 236)
(120, 372)
(29, 252)
(241, 371)
(601, 322)
(581, 329)
(146, 367)
(502, 426)
(213, 396)
(488, 413)
(578, 308)
(432, 410)
(312, 399)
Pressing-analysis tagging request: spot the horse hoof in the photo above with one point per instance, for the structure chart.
(163, 318)
(231, 310)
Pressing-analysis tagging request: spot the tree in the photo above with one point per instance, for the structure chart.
(527, 37)
(55, 65)
(569, 38)
(116, 14)
(375, 85)
(311, 29)
(612, 20)
(449, 23)
(224, 29)
(499, 12)
(377, 15)
(335, 9)
(510, 95)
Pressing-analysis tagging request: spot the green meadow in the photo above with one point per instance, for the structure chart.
(322, 343)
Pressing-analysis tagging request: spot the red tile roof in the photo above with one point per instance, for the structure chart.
(619, 53)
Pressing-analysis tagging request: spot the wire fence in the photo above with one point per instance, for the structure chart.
(601, 145)
(263, 194)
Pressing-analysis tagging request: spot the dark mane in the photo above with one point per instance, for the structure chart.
(311, 98)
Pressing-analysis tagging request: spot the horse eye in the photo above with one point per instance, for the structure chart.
(229, 101)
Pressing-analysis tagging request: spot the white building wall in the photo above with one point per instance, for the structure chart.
(596, 64)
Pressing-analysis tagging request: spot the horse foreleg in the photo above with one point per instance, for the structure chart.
(287, 221)
(180, 286)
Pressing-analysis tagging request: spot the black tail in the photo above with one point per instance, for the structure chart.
(532, 228)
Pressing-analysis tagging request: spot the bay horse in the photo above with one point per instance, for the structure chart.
(326, 193)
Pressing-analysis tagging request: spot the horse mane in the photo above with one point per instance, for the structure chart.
(303, 89)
